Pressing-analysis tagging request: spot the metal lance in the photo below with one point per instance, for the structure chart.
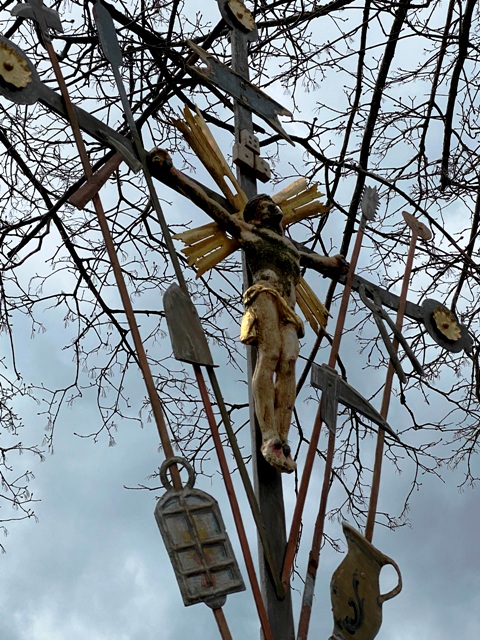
(42, 17)
(111, 49)
(311, 453)
(369, 207)
(419, 230)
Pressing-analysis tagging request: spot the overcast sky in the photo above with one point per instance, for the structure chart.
(94, 565)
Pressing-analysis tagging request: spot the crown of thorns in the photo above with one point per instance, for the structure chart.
(250, 211)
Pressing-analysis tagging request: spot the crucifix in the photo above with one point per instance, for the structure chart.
(268, 482)
(271, 271)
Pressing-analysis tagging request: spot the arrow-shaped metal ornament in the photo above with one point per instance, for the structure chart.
(242, 90)
(337, 390)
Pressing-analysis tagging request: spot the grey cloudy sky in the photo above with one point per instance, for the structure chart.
(95, 567)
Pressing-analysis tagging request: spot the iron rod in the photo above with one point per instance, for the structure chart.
(262, 614)
(314, 555)
(112, 254)
(317, 425)
(387, 392)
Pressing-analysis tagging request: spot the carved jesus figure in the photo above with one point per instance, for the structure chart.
(270, 321)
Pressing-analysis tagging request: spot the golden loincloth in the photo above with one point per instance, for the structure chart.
(248, 329)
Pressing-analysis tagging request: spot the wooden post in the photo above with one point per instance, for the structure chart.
(267, 481)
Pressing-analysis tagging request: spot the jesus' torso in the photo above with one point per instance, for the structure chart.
(273, 260)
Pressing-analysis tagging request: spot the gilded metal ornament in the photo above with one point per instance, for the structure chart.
(355, 589)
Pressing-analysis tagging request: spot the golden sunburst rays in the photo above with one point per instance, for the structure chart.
(207, 245)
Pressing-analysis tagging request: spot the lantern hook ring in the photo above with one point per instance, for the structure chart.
(181, 462)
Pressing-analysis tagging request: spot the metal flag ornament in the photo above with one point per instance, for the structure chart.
(194, 534)
(369, 204)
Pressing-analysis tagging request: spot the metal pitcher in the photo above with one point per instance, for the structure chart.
(355, 589)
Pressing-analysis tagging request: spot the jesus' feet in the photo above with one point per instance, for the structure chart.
(278, 454)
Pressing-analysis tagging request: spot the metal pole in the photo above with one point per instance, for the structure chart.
(222, 624)
(267, 481)
(314, 555)
(418, 230)
(112, 254)
(317, 426)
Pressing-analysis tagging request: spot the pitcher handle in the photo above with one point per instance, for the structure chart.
(396, 590)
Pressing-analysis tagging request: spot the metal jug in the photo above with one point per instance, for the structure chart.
(355, 589)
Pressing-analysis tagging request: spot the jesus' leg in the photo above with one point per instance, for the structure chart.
(285, 387)
(269, 343)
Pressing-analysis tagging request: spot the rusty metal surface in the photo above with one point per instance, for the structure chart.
(194, 534)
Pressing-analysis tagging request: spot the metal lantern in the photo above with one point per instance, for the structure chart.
(194, 534)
